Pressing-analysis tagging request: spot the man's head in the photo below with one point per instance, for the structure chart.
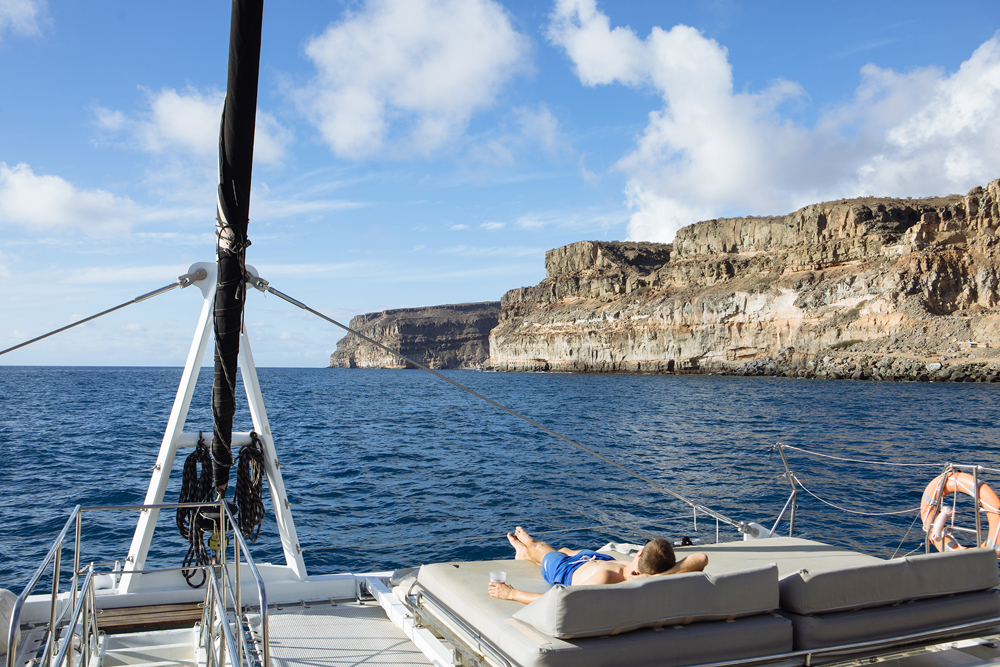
(656, 557)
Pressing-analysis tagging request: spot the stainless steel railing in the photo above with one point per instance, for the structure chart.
(53, 557)
(82, 599)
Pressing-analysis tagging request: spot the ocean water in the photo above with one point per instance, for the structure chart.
(389, 469)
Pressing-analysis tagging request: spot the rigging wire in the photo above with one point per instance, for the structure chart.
(477, 538)
(907, 534)
(22, 499)
(182, 281)
(849, 511)
(263, 286)
(878, 463)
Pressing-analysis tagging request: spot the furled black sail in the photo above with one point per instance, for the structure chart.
(235, 165)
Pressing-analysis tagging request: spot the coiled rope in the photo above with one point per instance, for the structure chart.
(248, 493)
(195, 488)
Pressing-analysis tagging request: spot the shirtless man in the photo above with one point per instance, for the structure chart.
(578, 567)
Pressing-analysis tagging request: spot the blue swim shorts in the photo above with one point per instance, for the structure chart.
(558, 568)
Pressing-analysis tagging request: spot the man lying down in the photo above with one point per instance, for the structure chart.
(582, 566)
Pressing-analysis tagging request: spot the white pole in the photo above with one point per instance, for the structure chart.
(175, 425)
(283, 514)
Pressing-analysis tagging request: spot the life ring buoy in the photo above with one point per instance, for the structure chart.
(934, 521)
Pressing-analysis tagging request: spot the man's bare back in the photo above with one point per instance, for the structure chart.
(588, 573)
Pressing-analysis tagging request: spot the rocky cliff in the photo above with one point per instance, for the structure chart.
(869, 287)
(454, 336)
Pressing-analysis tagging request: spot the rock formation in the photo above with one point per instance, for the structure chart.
(864, 288)
(454, 336)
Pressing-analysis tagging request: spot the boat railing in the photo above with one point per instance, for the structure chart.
(223, 583)
(54, 557)
(82, 622)
(216, 636)
(82, 599)
(937, 503)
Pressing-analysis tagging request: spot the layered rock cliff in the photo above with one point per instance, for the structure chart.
(453, 336)
(868, 287)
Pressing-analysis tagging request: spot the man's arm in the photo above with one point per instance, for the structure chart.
(508, 592)
(691, 563)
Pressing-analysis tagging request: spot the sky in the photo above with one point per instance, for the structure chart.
(423, 152)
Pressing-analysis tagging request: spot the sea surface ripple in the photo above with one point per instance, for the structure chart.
(389, 469)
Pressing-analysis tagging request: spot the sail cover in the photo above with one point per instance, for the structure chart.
(235, 165)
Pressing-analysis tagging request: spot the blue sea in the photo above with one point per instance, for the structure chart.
(389, 469)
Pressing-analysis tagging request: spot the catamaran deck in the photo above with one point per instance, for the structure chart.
(350, 633)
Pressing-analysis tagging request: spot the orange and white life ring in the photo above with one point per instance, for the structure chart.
(934, 521)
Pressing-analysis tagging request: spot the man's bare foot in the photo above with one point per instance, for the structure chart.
(522, 535)
(520, 551)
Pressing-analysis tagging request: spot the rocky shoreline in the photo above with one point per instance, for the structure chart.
(868, 288)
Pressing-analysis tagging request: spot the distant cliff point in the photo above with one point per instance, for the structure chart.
(865, 288)
(451, 336)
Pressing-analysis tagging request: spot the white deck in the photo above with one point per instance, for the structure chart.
(350, 633)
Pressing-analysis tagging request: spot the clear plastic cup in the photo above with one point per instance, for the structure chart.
(498, 577)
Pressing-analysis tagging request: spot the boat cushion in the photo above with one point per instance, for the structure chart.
(7, 600)
(874, 623)
(818, 578)
(592, 611)
(461, 588)
(811, 590)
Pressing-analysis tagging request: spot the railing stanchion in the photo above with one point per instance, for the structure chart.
(76, 559)
(52, 609)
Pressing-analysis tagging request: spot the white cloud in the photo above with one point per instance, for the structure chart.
(264, 207)
(505, 251)
(186, 124)
(114, 275)
(458, 228)
(411, 70)
(581, 220)
(928, 132)
(710, 151)
(5, 262)
(529, 130)
(21, 16)
(493, 226)
(49, 203)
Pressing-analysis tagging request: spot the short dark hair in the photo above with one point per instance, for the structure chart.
(657, 557)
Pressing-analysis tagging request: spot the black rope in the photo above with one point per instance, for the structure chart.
(249, 488)
(195, 488)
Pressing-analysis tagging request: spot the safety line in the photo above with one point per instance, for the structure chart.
(22, 499)
(878, 463)
(263, 286)
(451, 539)
(844, 509)
(182, 281)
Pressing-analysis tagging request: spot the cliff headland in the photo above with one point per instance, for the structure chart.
(867, 288)
(452, 336)
(864, 288)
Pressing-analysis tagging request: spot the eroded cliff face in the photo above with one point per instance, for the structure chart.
(817, 289)
(452, 336)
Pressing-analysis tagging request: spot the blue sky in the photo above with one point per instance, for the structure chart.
(419, 152)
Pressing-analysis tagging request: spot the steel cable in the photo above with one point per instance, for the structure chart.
(182, 281)
(263, 286)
